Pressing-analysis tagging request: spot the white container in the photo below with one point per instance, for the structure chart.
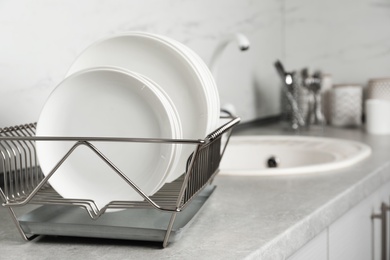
(377, 116)
(379, 89)
(346, 105)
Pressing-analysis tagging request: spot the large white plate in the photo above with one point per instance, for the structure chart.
(208, 81)
(210, 85)
(174, 171)
(198, 64)
(162, 63)
(107, 102)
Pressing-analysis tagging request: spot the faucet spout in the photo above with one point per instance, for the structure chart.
(243, 42)
(243, 45)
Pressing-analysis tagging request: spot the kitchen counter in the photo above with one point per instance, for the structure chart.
(247, 217)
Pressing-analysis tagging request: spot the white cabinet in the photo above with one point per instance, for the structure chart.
(350, 237)
(355, 235)
(315, 249)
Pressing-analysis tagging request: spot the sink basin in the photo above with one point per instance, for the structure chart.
(278, 155)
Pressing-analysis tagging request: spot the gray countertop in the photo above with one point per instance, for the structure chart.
(247, 217)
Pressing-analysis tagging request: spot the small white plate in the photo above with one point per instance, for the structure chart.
(107, 102)
(178, 133)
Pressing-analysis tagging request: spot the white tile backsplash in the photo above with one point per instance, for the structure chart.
(40, 39)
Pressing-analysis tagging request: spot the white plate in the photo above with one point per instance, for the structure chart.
(106, 102)
(209, 84)
(162, 63)
(179, 135)
(208, 81)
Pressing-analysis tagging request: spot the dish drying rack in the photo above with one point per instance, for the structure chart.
(160, 217)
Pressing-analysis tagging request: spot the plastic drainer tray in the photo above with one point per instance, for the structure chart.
(132, 224)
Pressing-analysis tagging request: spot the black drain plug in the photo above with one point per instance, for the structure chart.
(272, 162)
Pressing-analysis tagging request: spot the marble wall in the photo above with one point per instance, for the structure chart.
(41, 38)
(349, 39)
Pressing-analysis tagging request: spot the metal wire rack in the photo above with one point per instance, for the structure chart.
(24, 183)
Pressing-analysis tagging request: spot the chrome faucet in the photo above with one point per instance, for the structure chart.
(243, 45)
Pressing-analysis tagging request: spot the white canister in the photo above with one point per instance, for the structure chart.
(346, 105)
(379, 89)
(377, 116)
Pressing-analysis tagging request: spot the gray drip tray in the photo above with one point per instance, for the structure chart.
(131, 224)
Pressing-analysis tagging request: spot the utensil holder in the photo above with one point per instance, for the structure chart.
(24, 184)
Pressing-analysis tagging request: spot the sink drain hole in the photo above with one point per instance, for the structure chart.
(272, 162)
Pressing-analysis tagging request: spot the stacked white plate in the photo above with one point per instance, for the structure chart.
(132, 85)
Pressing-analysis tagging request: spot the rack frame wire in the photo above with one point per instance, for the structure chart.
(24, 183)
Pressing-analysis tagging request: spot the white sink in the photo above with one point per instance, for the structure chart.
(251, 155)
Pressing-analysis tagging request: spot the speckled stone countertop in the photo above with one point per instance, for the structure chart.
(246, 218)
